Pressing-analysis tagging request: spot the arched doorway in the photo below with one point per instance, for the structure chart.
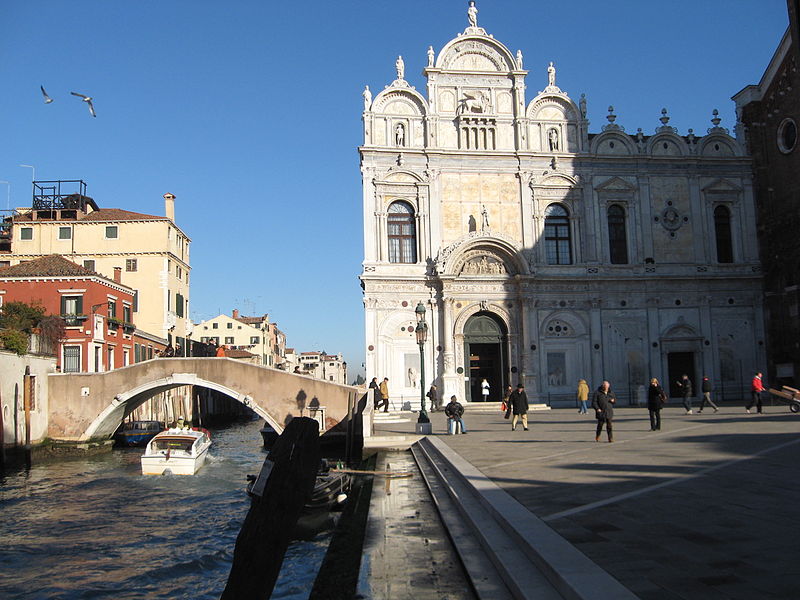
(486, 356)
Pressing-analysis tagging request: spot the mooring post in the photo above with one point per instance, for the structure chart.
(2, 436)
(26, 404)
(290, 471)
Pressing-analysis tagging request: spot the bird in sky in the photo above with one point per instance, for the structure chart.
(88, 101)
(47, 99)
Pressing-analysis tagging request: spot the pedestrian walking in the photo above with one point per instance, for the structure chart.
(685, 386)
(433, 395)
(756, 387)
(582, 396)
(603, 403)
(384, 390)
(507, 400)
(519, 407)
(373, 385)
(485, 390)
(455, 416)
(656, 398)
(221, 352)
(707, 388)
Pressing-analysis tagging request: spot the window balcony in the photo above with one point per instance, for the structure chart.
(71, 320)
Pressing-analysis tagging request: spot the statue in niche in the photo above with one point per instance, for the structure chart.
(472, 224)
(519, 59)
(484, 218)
(552, 138)
(551, 75)
(401, 67)
(400, 135)
(472, 14)
(582, 105)
(367, 97)
(430, 56)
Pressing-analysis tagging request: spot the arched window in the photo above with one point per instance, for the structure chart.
(617, 240)
(722, 229)
(557, 246)
(402, 233)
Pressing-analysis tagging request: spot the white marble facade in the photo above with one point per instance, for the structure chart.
(602, 255)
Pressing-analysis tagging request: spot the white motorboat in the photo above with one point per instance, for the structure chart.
(181, 451)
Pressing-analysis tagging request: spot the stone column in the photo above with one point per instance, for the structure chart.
(450, 379)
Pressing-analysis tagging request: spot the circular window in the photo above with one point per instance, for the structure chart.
(787, 135)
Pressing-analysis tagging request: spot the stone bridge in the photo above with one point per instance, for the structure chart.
(83, 406)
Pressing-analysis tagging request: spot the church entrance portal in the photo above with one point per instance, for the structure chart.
(486, 355)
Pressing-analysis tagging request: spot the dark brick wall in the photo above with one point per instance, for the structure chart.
(777, 192)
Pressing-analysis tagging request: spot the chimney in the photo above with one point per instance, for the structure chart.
(118, 274)
(235, 313)
(169, 206)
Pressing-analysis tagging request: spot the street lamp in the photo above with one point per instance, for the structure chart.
(421, 331)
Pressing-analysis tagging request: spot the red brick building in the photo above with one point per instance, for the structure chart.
(770, 115)
(97, 312)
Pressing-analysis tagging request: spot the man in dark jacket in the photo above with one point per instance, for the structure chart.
(373, 385)
(454, 411)
(685, 386)
(433, 394)
(603, 404)
(707, 389)
(519, 407)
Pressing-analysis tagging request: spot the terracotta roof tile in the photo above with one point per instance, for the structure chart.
(238, 354)
(118, 214)
(53, 265)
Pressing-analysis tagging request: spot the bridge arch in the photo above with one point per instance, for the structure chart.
(83, 406)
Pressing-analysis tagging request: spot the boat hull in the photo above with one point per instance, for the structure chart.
(177, 465)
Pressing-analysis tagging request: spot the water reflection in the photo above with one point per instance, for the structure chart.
(97, 528)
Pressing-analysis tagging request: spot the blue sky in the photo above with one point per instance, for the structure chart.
(250, 113)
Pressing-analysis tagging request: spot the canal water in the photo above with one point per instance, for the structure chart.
(96, 528)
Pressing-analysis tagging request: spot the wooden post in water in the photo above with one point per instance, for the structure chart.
(2, 436)
(288, 478)
(26, 405)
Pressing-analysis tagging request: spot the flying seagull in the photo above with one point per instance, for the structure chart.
(47, 99)
(88, 101)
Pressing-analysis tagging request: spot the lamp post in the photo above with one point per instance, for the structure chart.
(421, 331)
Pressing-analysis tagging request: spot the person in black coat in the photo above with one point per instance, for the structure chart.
(603, 403)
(707, 389)
(685, 386)
(655, 401)
(519, 407)
(373, 385)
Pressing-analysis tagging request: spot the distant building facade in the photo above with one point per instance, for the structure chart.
(100, 333)
(330, 367)
(151, 252)
(544, 253)
(255, 335)
(770, 115)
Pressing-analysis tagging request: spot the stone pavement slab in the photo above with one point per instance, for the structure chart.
(705, 508)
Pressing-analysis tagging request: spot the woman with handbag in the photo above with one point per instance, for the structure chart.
(656, 398)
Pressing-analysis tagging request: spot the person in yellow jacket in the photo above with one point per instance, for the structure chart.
(384, 390)
(582, 396)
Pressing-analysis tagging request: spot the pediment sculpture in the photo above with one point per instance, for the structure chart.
(484, 265)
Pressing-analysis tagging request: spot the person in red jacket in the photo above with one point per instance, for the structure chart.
(756, 387)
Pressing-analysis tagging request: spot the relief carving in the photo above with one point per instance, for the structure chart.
(484, 266)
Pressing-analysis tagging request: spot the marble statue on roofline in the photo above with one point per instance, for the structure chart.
(401, 67)
(472, 14)
(367, 97)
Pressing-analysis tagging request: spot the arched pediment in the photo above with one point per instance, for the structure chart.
(481, 254)
(666, 144)
(552, 107)
(475, 53)
(613, 143)
(554, 180)
(400, 101)
(718, 145)
(680, 330)
(563, 324)
(402, 176)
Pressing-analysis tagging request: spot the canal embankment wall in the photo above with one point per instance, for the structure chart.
(12, 395)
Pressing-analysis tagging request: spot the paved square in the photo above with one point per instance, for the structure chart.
(706, 508)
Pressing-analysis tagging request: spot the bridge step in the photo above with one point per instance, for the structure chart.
(527, 559)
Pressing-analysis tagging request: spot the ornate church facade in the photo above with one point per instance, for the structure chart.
(544, 253)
